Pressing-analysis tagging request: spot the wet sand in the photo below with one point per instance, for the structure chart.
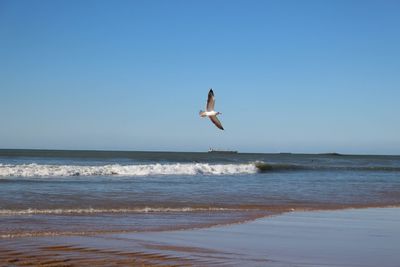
(353, 237)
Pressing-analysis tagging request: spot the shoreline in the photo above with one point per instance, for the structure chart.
(345, 237)
(224, 217)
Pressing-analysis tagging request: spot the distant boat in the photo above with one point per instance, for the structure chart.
(211, 150)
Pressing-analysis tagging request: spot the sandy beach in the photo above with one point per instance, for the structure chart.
(351, 237)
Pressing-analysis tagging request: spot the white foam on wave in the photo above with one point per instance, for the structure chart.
(47, 170)
(126, 210)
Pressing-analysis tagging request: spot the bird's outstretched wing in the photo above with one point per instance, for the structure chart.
(210, 101)
(216, 121)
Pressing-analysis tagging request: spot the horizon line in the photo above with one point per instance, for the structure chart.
(205, 151)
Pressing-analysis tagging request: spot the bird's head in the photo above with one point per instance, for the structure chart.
(219, 113)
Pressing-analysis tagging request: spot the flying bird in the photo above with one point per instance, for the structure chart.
(210, 110)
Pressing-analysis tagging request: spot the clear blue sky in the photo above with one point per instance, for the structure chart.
(299, 76)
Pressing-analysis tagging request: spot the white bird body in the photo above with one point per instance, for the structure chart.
(210, 112)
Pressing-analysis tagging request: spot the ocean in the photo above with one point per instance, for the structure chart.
(54, 192)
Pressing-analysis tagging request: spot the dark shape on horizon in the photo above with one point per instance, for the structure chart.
(212, 150)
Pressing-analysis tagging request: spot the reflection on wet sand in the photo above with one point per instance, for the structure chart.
(353, 237)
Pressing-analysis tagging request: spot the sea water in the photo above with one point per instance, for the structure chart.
(49, 192)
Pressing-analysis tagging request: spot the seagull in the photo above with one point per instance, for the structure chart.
(210, 110)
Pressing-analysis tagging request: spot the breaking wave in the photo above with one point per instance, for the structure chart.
(46, 170)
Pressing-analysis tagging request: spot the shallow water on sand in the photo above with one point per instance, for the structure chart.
(353, 237)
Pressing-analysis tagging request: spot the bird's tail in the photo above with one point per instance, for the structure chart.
(202, 113)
